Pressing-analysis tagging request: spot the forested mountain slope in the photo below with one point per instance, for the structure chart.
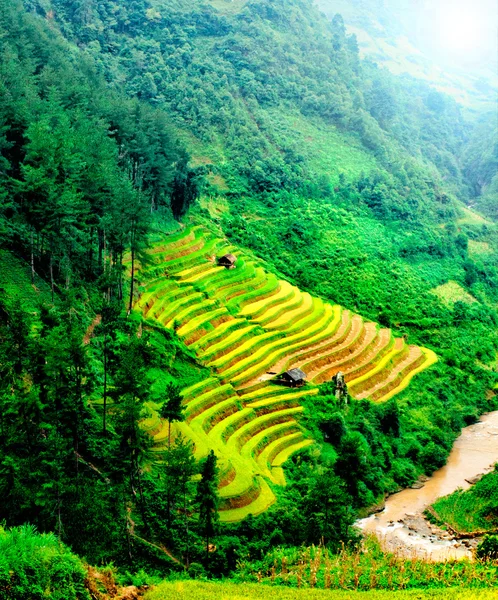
(345, 180)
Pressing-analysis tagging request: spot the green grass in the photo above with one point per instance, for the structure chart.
(16, 286)
(452, 292)
(201, 320)
(227, 278)
(365, 381)
(208, 400)
(470, 217)
(325, 146)
(38, 565)
(271, 287)
(258, 309)
(255, 281)
(366, 568)
(217, 336)
(472, 510)
(201, 590)
(245, 346)
(351, 357)
(355, 338)
(223, 347)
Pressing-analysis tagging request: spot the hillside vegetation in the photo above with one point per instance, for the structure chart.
(471, 511)
(404, 37)
(243, 324)
(38, 566)
(139, 141)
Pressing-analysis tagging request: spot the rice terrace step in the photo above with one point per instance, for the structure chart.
(246, 325)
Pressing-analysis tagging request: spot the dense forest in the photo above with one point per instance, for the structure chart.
(259, 120)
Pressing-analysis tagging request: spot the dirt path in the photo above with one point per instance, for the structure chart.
(89, 332)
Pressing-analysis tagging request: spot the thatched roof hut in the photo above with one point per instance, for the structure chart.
(294, 377)
(228, 261)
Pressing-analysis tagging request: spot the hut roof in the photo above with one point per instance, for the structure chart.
(230, 257)
(296, 374)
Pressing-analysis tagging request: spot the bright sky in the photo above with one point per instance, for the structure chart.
(464, 31)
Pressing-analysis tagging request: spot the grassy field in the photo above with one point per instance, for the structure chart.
(472, 510)
(452, 292)
(193, 590)
(246, 325)
(366, 568)
(328, 150)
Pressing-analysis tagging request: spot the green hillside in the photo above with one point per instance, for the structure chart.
(244, 324)
(140, 141)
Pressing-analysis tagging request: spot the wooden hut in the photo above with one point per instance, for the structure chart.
(227, 261)
(294, 378)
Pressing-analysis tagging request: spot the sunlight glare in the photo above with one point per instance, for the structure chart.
(460, 29)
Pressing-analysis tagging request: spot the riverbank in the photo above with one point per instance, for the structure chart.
(402, 527)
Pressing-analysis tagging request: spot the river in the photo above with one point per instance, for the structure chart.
(401, 527)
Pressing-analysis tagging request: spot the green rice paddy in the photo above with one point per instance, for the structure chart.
(247, 326)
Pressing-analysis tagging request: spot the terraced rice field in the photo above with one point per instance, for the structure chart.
(246, 325)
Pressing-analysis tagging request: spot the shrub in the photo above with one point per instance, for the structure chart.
(488, 548)
(432, 457)
(37, 566)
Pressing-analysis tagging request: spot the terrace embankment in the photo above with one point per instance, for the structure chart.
(246, 325)
(401, 526)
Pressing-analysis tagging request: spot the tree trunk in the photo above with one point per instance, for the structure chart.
(32, 261)
(187, 549)
(132, 273)
(207, 548)
(105, 385)
(120, 278)
(100, 236)
(52, 276)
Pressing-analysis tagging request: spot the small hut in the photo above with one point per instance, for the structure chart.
(227, 261)
(294, 378)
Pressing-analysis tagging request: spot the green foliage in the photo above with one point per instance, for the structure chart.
(207, 499)
(83, 167)
(342, 177)
(472, 510)
(37, 566)
(488, 548)
(172, 409)
(365, 568)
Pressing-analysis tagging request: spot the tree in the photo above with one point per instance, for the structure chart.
(110, 313)
(132, 391)
(186, 187)
(172, 408)
(180, 468)
(207, 499)
(327, 508)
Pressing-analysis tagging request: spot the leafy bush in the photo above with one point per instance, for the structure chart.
(37, 566)
(488, 548)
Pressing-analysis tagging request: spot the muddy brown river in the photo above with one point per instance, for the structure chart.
(401, 527)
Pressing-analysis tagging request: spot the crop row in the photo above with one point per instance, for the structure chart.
(245, 324)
